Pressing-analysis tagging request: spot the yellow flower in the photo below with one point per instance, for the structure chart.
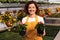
(11, 24)
(0, 17)
(18, 14)
(11, 13)
(6, 14)
(10, 17)
(49, 9)
(0, 20)
(58, 9)
(9, 30)
(14, 19)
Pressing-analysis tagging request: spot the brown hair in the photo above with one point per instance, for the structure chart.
(27, 5)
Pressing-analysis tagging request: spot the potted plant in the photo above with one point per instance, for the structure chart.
(40, 28)
(20, 28)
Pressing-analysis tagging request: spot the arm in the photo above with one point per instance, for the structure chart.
(44, 32)
(42, 20)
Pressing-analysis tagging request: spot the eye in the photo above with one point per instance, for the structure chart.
(33, 7)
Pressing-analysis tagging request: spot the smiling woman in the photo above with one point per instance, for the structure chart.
(31, 20)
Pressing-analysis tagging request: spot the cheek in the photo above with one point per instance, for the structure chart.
(35, 10)
(29, 9)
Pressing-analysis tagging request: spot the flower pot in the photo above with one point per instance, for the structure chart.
(22, 32)
(40, 31)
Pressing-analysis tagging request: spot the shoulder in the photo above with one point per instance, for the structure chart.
(24, 19)
(40, 19)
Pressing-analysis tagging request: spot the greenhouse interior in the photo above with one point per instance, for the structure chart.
(12, 11)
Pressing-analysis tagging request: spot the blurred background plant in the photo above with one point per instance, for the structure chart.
(19, 28)
(20, 15)
(42, 12)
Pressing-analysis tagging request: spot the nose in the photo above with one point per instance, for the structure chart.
(31, 9)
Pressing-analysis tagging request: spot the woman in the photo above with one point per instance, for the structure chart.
(31, 20)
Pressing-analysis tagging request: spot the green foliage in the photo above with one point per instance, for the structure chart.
(51, 32)
(20, 15)
(40, 28)
(47, 38)
(19, 27)
(10, 36)
(6, 18)
(3, 1)
(57, 15)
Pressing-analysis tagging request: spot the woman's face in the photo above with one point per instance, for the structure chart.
(32, 9)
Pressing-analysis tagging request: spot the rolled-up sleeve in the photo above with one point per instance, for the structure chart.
(24, 20)
(40, 19)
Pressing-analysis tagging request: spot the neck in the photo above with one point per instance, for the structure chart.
(32, 15)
